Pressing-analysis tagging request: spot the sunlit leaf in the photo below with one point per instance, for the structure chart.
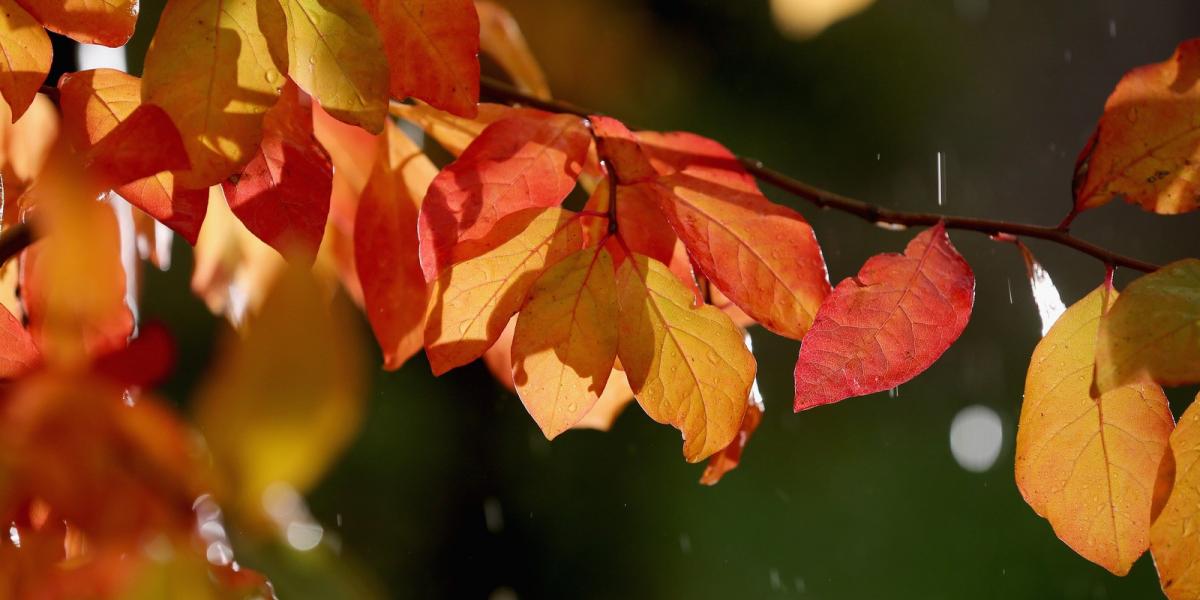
(565, 343)
(523, 161)
(500, 37)
(24, 148)
(687, 364)
(1146, 148)
(27, 55)
(18, 354)
(210, 68)
(282, 194)
(395, 293)
(104, 22)
(699, 156)
(433, 49)
(763, 256)
(1175, 535)
(887, 324)
(452, 132)
(335, 54)
(730, 457)
(1088, 465)
(473, 300)
(1153, 330)
(286, 399)
(620, 149)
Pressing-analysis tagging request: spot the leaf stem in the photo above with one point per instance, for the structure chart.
(884, 217)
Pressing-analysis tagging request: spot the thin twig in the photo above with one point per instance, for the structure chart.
(15, 239)
(866, 211)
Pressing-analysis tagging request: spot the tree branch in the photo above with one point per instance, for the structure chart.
(869, 212)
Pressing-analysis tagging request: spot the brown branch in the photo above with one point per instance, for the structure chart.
(15, 239)
(869, 212)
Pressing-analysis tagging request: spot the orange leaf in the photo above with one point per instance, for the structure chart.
(523, 161)
(93, 104)
(395, 293)
(1146, 148)
(27, 53)
(473, 300)
(621, 151)
(763, 256)
(565, 343)
(1153, 330)
(120, 157)
(699, 156)
(282, 195)
(500, 37)
(886, 325)
(687, 364)
(18, 354)
(335, 54)
(105, 22)
(1175, 535)
(1089, 465)
(210, 68)
(433, 49)
(25, 146)
(73, 280)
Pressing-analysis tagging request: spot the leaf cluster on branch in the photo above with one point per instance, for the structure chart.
(274, 136)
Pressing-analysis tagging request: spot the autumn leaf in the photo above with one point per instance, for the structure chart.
(93, 104)
(282, 195)
(25, 146)
(335, 54)
(1175, 535)
(1147, 145)
(286, 399)
(432, 47)
(1088, 465)
(763, 256)
(523, 161)
(886, 325)
(1153, 330)
(210, 68)
(620, 149)
(730, 456)
(395, 293)
(565, 343)
(18, 354)
(27, 54)
(73, 281)
(500, 37)
(120, 157)
(105, 22)
(687, 364)
(699, 156)
(473, 300)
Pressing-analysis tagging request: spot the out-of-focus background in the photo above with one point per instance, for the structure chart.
(452, 491)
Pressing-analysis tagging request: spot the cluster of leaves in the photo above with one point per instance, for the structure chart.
(268, 134)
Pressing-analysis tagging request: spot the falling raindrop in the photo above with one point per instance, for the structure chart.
(894, 392)
(685, 543)
(941, 178)
(493, 515)
(1112, 28)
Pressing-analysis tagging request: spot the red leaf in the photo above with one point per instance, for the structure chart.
(432, 47)
(699, 156)
(147, 360)
(888, 324)
(524, 161)
(395, 293)
(621, 150)
(728, 459)
(282, 196)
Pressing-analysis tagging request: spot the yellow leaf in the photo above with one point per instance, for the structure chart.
(210, 69)
(232, 266)
(287, 398)
(474, 298)
(1089, 465)
(1153, 330)
(565, 343)
(687, 364)
(1175, 535)
(336, 55)
(25, 55)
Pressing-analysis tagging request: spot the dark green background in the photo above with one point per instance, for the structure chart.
(857, 500)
